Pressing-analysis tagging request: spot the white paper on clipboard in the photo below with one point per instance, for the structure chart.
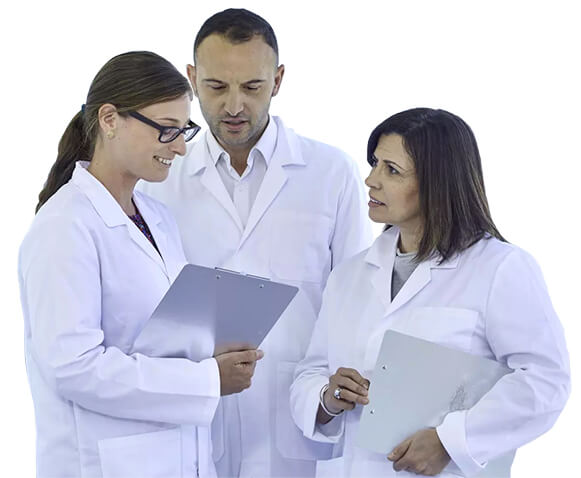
(207, 311)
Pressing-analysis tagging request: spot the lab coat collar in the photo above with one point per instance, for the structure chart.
(286, 152)
(113, 215)
(286, 149)
(381, 257)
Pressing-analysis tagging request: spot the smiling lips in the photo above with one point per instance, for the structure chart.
(375, 202)
(164, 161)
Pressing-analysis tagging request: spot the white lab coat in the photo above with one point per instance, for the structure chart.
(89, 281)
(309, 215)
(489, 301)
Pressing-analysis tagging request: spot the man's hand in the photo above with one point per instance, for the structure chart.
(422, 453)
(236, 370)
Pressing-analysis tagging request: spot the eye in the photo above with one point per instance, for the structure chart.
(391, 169)
(216, 87)
(252, 87)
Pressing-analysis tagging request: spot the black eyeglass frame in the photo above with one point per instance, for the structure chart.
(164, 130)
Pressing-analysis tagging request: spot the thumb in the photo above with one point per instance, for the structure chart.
(399, 450)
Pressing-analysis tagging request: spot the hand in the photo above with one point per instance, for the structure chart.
(236, 370)
(354, 390)
(422, 453)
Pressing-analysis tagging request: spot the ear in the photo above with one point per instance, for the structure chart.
(108, 118)
(192, 76)
(278, 79)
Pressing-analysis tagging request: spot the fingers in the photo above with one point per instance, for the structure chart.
(399, 451)
(349, 385)
(247, 356)
(353, 375)
(353, 390)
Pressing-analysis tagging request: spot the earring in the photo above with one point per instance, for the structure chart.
(110, 134)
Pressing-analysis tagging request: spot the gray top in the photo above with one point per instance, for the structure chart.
(403, 267)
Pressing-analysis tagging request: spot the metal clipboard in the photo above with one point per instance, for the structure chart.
(208, 311)
(415, 384)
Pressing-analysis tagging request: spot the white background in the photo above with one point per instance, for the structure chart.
(508, 68)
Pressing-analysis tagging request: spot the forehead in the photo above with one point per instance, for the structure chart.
(218, 58)
(178, 109)
(391, 148)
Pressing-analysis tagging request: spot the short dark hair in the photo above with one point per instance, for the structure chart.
(452, 198)
(238, 25)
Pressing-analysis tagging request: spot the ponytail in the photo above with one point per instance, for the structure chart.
(129, 81)
(72, 147)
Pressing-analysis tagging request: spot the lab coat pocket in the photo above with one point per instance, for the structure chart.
(448, 326)
(290, 441)
(147, 455)
(299, 247)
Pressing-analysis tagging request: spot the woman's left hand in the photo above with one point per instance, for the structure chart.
(422, 453)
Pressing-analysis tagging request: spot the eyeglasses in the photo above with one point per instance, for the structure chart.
(168, 133)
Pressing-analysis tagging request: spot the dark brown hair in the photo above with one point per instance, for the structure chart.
(453, 201)
(237, 25)
(129, 81)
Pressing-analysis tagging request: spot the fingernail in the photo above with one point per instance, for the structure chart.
(259, 354)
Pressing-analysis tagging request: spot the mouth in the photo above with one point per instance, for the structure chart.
(375, 202)
(234, 124)
(164, 161)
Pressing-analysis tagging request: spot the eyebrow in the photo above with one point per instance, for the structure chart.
(174, 120)
(214, 80)
(388, 161)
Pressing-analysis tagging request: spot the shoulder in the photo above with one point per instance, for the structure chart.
(317, 152)
(500, 257)
(349, 272)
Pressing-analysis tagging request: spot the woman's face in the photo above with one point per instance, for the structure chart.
(141, 154)
(393, 186)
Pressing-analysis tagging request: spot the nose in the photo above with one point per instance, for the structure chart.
(371, 180)
(234, 103)
(178, 145)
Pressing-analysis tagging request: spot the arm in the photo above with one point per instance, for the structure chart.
(524, 332)
(60, 280)
(312, 373)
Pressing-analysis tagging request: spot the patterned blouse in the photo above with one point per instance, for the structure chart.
(142, 225)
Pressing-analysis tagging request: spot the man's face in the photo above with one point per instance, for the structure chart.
(234, 84)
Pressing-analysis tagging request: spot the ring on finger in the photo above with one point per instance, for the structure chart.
(337, 393)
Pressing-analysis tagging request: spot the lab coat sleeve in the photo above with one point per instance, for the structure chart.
(352, 231)
(311, 374)
(61, 294)
(523, 332)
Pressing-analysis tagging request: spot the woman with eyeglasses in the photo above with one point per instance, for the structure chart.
(95, 263)
(441, 271)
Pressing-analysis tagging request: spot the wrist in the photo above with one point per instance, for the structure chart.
(328, 410)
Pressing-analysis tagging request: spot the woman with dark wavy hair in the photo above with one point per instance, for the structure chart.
(440, 271)
(95, 263)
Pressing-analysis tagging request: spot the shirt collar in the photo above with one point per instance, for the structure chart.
(265, 145)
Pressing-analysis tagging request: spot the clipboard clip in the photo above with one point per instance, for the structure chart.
(222, 269)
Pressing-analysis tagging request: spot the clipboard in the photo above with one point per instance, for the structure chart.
(415, 384)
(208, 311)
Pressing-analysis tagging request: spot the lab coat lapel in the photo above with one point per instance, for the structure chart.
(201, 160)
(286, 152)
(155, 224)
(111, 213)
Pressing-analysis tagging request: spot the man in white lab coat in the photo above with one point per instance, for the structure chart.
(253, 196)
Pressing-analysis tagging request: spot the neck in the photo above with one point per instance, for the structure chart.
(119, 185)
(239, 154)
(409, 240)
